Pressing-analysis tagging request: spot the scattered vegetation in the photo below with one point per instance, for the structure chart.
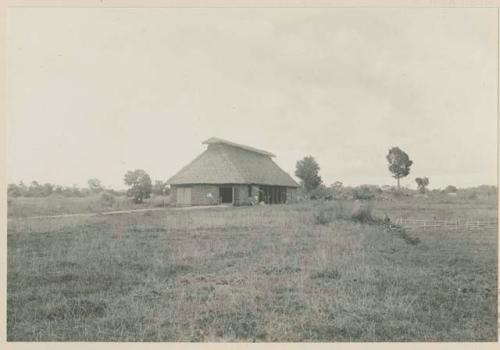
(338, 192)
(36, 189)
(137, 180)
(401, 232)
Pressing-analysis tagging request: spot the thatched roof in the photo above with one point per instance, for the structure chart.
(225, 162)
(213, 140)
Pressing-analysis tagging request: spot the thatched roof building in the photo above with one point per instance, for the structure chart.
(228, 172)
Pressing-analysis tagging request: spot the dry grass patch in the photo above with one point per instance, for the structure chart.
(246, 274)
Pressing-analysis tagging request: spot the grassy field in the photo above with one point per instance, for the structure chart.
(56, 204)
(253, 274)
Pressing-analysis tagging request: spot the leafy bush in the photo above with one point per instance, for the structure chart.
(140, 185)
(450, 189)
(160, 188)
(472, 195)
(408, 238)
(107, 199)
(401, 232)
(325, 213)
(363, 193)
(363, 214)
(320, 192)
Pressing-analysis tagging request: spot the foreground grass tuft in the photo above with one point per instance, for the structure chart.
(326, 274)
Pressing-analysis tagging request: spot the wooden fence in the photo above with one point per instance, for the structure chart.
(467, 224)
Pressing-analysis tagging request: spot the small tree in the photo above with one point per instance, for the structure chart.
(160, 188)
(321, 192)
(75, 191)
(58, 189)
(450, 189)
(307, 171)
(47, 189)
(337, 185)
(336, 189)
(24, 189)
(107, 199)
(35, 189)
(399, 163)
(95, 185)
(13, 190)
(422, 183)
(363, 192)
(140, 185)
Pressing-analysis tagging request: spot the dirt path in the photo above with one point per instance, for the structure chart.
(115, 212)
(90, 214)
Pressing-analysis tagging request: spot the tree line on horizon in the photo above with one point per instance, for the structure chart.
(141, 187)
(399, 165)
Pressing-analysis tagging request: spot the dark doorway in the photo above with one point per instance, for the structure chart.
(226, 194)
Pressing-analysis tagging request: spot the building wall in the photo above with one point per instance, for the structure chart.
(173, 195)
(291, 194)
(199, 194)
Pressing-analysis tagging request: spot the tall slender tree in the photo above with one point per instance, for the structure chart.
(399, 163)
(307, 170)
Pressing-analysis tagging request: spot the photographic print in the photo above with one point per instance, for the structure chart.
(251, 174)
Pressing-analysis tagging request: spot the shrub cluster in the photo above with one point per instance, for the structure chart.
(364, 215)
(35, 189)
(365, 192)
(107, 199)
(361, 213)
(325, 213)
(371, 192)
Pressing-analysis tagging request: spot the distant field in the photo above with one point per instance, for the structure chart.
(57, 204)
(253, 274)
(439, 207)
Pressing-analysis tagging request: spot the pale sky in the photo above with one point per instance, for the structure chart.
(97, 92)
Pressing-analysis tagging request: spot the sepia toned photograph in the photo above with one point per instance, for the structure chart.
(190, 174)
